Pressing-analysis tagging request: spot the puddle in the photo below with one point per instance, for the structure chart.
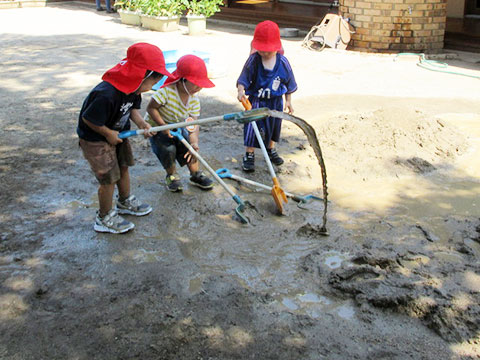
(290, 304)
(145, 256)
(334, 259)
(195, 285)
(346, 312)
(313, 298)
(317, 306)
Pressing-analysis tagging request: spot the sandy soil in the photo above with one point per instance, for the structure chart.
(398, 277)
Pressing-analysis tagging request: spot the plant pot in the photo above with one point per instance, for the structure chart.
(32, 3)
(9, 4)
(197, 24)
(160, 23)
(129, 17)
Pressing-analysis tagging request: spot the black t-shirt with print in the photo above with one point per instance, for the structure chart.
(105, 105)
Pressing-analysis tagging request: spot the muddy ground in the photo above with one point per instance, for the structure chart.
(398, 277)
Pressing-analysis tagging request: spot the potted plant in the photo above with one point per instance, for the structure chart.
(11, 4)
(129, 11)
(198, 12)
(161, 15)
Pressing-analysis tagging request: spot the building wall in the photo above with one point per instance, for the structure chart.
(396, 25)
(455, 8)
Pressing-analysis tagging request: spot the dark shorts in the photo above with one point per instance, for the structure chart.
(269, 127)
(169, 149)
(105, 160)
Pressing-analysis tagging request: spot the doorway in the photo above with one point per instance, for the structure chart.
(472, 7)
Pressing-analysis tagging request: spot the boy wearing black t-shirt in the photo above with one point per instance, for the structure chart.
(106, 111)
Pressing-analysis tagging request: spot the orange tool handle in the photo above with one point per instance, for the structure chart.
(246, 104)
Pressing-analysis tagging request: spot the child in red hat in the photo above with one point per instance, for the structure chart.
(266, 78)
(106, 111)
(174, 102)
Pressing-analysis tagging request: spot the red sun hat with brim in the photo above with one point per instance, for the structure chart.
(129, 73)
(267, 37)
(193, 69)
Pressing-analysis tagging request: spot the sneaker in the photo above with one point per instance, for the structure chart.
(173, 183)
(111, 11)
(131, 206)
(199, 179)
(249, 162)
(274, 157)
(112, 223)
(100, 9)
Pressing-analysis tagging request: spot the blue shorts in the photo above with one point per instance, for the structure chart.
(269, 127)
(169, 149)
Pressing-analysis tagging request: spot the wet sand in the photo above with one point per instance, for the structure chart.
(397, 278)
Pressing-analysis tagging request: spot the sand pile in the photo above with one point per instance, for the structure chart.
(389, 142)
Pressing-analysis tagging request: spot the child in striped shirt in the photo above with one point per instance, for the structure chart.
(175, 102)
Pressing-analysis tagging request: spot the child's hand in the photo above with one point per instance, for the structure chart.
(189, 156)
(167, 132)
(112, 138)
(241, 94)
(288, 107)
(147, 134)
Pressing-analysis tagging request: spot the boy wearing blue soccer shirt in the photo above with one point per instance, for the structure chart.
(266, 77)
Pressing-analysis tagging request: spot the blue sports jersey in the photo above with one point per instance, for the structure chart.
(265, 88)
(267, 84)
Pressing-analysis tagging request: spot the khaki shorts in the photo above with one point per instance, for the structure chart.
(105, 160)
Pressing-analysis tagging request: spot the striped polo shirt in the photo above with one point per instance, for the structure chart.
(172, 109)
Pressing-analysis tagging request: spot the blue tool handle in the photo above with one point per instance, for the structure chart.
(126, 134)
(237, 199)
(177, 133)
(224, 173)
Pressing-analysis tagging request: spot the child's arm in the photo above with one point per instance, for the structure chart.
(241, 92)
(141, 124)
(109, 134)
(152, 110)
(193, 140)
(288, 103)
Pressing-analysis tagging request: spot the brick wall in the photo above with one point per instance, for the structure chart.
(396, 25)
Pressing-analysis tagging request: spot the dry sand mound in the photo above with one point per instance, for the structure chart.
(390, 142)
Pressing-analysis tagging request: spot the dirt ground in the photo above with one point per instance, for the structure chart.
(397, 278)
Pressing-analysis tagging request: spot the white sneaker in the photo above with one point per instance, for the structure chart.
(112, 223)
(131, 206)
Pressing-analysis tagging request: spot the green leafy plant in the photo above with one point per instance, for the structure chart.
(206, 8)
(165, 8)
(127, 5)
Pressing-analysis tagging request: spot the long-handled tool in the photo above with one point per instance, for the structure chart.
(240, 116)
(257, 114)
(224, 173)
(278, 194)
(241, 204)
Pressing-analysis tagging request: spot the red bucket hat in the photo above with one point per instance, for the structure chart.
(129, 73)
(267, 37)
(193, 69)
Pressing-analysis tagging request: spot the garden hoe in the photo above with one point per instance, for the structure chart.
(224, 173)
(241, 204)
(278, 194)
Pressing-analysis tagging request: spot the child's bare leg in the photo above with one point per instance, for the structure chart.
(105, 196)
(193, 167)
(171, 170)
(249, 149)
(123, 184)
(271, 144)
